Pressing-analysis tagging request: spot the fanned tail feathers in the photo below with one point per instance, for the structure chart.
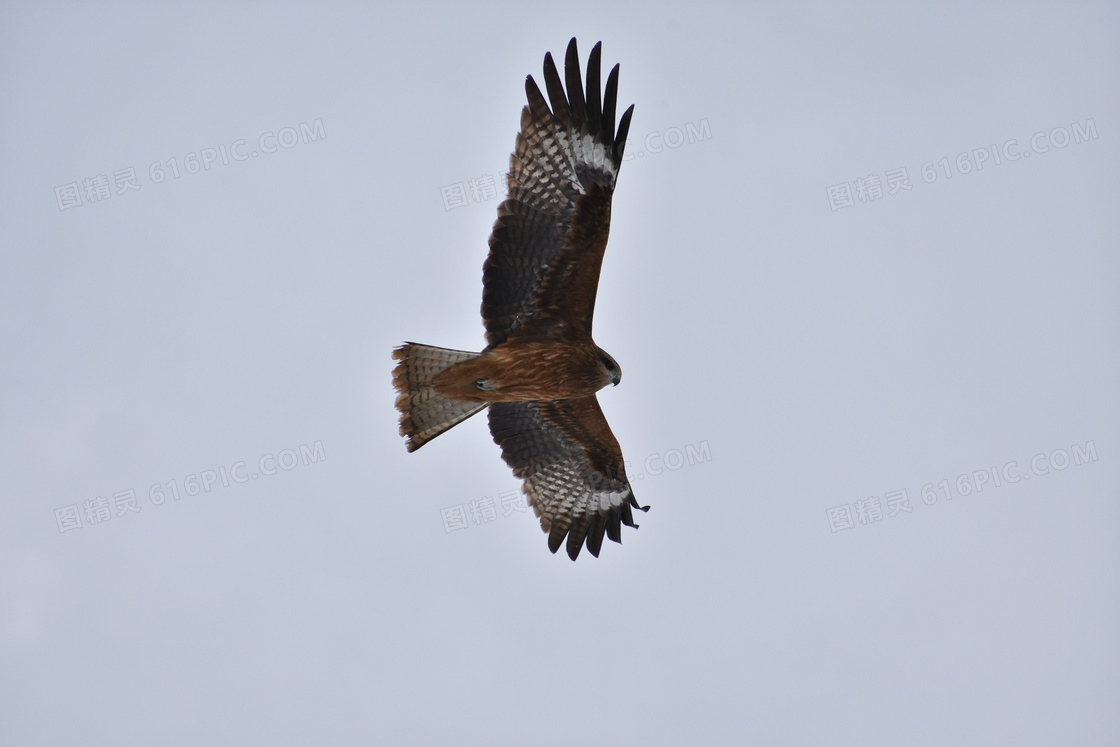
(425, 413)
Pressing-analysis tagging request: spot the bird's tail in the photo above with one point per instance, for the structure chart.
(425, 413)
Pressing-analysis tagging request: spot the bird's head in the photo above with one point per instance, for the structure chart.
(611, 369)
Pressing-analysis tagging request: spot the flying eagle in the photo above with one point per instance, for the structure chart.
(540, 370)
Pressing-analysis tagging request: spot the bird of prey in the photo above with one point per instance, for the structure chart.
(541, 369)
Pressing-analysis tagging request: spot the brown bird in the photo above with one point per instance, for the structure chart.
(541, 369)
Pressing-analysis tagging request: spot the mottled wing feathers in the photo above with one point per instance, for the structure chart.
(572, 469)
(547, 244)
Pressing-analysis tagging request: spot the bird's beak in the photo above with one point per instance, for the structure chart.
(616, 379)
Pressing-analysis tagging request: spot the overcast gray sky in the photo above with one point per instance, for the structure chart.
(862, 279)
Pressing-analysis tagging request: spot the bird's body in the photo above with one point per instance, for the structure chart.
(541, 369)
(521, 371)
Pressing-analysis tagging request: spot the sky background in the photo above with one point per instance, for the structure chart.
(862, 280)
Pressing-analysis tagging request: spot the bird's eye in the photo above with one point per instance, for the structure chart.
(608, 364)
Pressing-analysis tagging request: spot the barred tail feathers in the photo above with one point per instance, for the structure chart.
(425, 413)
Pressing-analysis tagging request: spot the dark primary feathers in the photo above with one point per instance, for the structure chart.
(547, 244)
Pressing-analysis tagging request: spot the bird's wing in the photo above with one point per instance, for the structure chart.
(540, 278)
(571, 466)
